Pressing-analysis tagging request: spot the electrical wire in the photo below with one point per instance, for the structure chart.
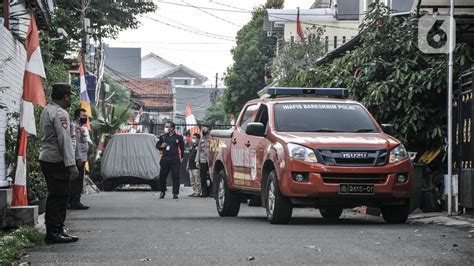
(212, 15)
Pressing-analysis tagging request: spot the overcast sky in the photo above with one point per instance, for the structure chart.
(210, 30)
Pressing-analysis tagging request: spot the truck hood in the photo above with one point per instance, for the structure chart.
(342, 140)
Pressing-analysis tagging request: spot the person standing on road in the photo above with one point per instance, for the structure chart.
(171, 146)
(193, 171)
(82, 148)
(202, 162)
(58, 162)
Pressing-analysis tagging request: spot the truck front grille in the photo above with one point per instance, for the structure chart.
(352, 157)
(338, 178)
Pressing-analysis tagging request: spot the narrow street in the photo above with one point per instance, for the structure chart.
(136, 227)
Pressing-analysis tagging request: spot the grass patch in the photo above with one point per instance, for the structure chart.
(13, 244)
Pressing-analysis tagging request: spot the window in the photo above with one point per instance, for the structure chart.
(323, 117)
(249, 115)
(262, 116)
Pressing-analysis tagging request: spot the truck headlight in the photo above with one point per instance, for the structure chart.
(398, 154)
(302, 153)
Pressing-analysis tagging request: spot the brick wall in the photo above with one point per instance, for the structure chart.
(12, 67)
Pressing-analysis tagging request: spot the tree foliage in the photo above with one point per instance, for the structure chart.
(293, 56)
(107, 19)
(396, 81)
(253, 51)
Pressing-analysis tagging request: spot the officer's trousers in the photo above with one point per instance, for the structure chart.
(76, 187)
(168, 165)
(204, 173)
(59, 189)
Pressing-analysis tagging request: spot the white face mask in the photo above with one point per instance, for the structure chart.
(167, 129)
(194, 141)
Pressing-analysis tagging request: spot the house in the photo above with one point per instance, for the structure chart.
(153, 95)
(341, 19)
(154, 66)
(123, 63)
(198, 97)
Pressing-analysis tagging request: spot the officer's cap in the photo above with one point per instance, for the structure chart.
(61, 89)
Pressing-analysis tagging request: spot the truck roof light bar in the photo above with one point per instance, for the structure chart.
(273, 92)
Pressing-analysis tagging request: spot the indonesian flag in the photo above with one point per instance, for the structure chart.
(191, 123)
(33, 92)
(85, 101)
(32, 87)
(137, 120)
(299, 27)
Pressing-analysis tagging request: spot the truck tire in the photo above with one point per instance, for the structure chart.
(279, 208)
(331, 213)
(396, 214)
(227, 201)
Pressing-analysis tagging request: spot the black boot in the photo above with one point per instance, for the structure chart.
(78, 206)
(54, 235)
(64, 233)
(162, 195)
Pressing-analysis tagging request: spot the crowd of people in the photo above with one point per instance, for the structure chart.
(63, 157)
(171, 146)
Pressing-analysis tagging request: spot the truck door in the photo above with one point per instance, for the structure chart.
(256, 146)
(240, 152)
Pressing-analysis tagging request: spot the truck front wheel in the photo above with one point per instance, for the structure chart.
(396, 214)
(227, 201)
(279, 208)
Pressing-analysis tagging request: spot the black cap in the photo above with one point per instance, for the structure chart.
(61, 89)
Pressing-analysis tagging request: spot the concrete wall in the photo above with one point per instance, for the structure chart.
(12, 67)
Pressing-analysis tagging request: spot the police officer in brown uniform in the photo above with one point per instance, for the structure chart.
(58, 162)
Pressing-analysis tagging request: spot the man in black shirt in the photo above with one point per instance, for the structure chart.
(171, 146)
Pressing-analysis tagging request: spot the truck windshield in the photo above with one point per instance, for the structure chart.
(322, 117)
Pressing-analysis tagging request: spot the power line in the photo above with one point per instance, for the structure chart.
(233, 7)
(174, 43)
(207, 8)
(212, 15)
(202, 33)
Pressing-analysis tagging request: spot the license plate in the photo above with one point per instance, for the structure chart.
(356, 189)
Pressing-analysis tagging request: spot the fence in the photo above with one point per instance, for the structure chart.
(158, 128)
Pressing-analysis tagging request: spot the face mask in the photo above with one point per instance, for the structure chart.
(167, 129)
(194, 141)
(83, 120)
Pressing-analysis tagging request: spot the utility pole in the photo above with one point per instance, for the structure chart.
(83, 29)
(214, 91)
(451, 37)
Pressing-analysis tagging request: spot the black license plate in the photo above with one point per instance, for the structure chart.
(356, 189)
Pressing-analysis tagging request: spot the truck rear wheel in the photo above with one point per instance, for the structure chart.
(279, 208)
(396, 214)
(227, 201)
(331, 213)
(108, 185)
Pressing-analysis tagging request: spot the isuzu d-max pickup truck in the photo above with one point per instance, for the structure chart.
(309, 147)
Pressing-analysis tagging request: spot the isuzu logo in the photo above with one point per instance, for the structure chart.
(354, 155)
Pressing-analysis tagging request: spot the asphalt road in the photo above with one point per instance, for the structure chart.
(128, 228)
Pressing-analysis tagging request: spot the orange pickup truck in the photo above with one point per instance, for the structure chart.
(317, 151)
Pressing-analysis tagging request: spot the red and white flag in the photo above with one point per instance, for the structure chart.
(191, 123)
(137, 120)
(299, 27)
(33, 93)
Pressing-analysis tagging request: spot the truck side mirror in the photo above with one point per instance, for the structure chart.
(388, 129)
(255, 129)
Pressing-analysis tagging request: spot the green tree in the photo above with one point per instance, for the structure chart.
(293, 56)
(216, 114)
(254, 50)
(107, 19)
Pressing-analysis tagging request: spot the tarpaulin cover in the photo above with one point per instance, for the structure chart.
(131, 155)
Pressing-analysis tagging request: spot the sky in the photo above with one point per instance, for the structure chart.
(171, 31)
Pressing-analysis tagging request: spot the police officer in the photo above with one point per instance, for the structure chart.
(58, 162)
(171, 146)
(202, 162)
(82, 148)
